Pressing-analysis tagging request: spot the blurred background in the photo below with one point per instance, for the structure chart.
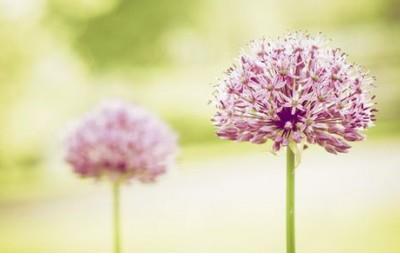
(59, 58)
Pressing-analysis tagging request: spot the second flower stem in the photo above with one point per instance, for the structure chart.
(116, 217)
(290, 202)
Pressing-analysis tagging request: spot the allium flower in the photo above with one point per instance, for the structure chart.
(292, 91)
(120, 141)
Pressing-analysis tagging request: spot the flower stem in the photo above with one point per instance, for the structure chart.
(116, 217)
(290, 198)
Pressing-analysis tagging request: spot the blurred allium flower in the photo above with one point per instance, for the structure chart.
(294, 90)
(121, 142)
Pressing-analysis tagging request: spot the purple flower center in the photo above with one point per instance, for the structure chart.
(285, 115)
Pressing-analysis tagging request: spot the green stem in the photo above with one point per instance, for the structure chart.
(290, 196)
(116, 217)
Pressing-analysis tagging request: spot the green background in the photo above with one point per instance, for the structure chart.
(59, 58)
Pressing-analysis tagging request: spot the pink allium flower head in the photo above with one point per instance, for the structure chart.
(294, 90)
(120, 141)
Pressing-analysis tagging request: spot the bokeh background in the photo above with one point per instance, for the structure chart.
(59, 58)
